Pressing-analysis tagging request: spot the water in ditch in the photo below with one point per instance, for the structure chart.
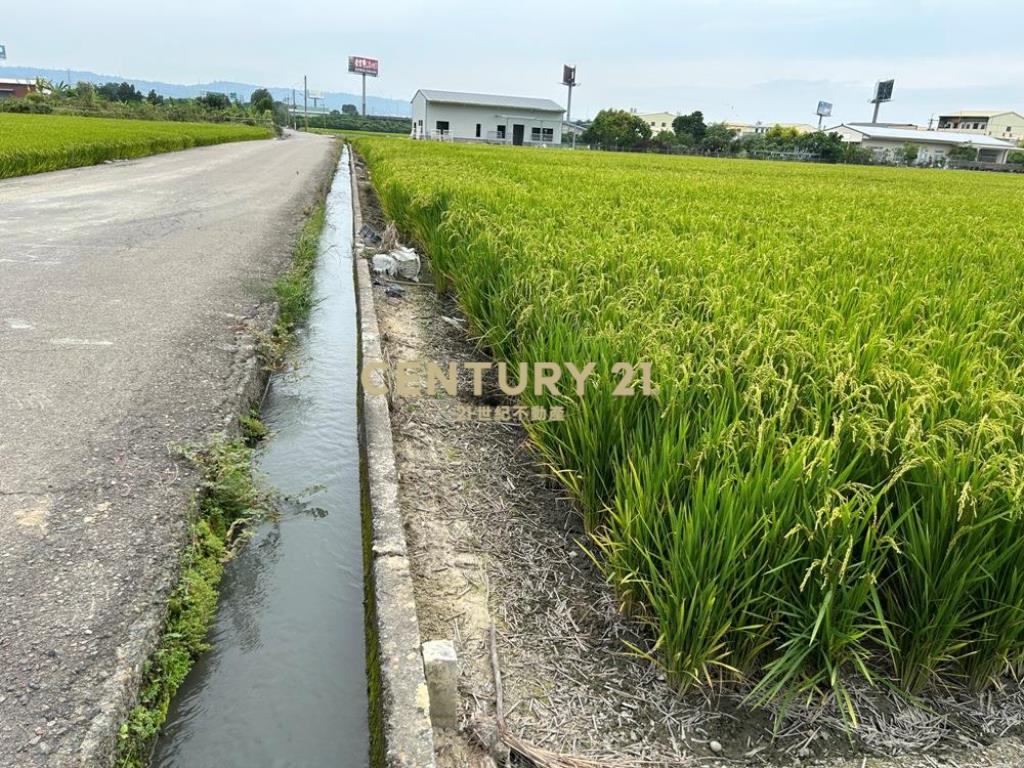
(285, 682)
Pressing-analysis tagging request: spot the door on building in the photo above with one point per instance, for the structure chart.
(517, 134)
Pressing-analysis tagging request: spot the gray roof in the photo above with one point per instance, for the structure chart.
(929, 137)
(491, 100)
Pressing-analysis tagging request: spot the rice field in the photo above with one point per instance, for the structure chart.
(37, 143)
(828, 486)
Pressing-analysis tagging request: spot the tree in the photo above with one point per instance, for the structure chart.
(215, 100)
(664, 140)
(963, 152)
(349, 109)
(691, 125)
(617, 128)
(85, 92)
(855, 153)
(1017, 158)
(261, 101)
(827, 147)
(154, 98)
(909, 152)
(281, 115)
(123, 92)
(718, 137)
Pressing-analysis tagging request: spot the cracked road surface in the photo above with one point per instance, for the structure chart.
(124, 293)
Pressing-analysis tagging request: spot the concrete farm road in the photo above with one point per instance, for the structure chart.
(125, 295)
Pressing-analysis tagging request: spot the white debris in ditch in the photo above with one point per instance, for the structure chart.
(399, 262)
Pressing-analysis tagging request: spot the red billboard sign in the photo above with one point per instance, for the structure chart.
(363, 66)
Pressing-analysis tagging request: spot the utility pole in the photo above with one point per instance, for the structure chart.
(305, 100)
(364, 94)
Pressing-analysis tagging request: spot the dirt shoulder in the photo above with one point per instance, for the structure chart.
(491, 538)
(128, 299)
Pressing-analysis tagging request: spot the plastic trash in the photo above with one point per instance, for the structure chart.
(369, 235)
(408, 262)
(384, 264)
(401, 262)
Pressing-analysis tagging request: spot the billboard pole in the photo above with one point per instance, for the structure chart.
(361, 65)
(883, 92)
(824, 110)
(569, 80)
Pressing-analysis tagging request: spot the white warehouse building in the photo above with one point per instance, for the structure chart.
(480, 117)
(887, 142)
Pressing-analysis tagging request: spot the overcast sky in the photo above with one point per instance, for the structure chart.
(768, 60)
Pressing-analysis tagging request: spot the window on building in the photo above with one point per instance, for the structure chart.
(501, 131)
(442, 126)
(547, 134)
(535, 134)
(478, 130)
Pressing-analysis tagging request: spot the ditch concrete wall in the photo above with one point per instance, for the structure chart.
(400, 702)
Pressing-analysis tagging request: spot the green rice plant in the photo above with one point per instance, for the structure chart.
(828, 486)
(37, 143)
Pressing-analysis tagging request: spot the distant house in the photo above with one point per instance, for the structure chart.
(888, 143)
(999, 123)
(658, 121)
(758, 128)
(575, 128)
(488, 118)
(16, 89)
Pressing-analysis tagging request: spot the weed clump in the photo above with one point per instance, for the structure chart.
(228, 497)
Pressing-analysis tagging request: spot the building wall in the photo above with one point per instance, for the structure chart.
(15, 90)
(931, 152)
(847, 134)
(1003, 125)
(754, 129)
(658, 121)
(463, 120)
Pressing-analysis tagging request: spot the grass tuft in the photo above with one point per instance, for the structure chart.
(228, 495)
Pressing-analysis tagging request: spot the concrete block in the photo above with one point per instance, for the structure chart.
(441, 668)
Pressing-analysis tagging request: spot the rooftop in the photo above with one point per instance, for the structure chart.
(977, 113)
(940, 137)
(491, 100)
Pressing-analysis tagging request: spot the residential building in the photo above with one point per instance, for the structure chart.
(16, 89)
(1000, 123)
(480, 117)
(658, 121)
(754, 129)
(933, 146)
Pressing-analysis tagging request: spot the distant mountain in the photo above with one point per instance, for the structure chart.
(332, 99)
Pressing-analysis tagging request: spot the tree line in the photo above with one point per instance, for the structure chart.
(124, 100)
(618, 129)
